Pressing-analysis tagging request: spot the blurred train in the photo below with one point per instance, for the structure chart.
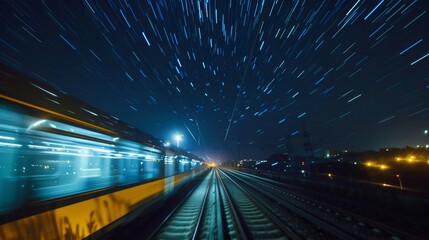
(53, 145)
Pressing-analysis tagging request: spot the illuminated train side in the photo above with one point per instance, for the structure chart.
(53, 146)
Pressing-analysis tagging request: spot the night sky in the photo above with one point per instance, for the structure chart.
(354, 73)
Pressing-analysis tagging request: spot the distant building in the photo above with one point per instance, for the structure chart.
(330, 153)
(247, 163)
(278, 162)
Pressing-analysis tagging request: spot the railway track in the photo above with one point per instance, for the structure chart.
(234, 205)
(219, 208)
(260, 223)
(207, 213)
(332, 220)
(295, 225)
(184, 221)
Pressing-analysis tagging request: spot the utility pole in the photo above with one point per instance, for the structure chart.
(290, 151)
(308, 149)
(239, 150)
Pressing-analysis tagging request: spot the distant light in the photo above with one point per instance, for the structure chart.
(37, 123)
(426, 131)
(3, 144)
(90, 112)
(295, 133)
(7, 138)
(167, 144)
(178, 138)
(46, 91)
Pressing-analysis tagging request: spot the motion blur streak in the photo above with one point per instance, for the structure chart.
(57, 114)
(91, 215)
(67, 178)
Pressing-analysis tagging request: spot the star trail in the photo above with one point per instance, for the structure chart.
(236, 76)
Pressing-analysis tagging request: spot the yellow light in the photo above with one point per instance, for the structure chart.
(329, 175)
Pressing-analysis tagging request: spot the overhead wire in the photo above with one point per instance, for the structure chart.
(241, 86)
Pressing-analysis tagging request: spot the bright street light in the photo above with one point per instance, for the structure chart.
(400, 182)
(426, 132)
(178, 138)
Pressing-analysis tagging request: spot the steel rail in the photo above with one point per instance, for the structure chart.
(283, 227)
(237, 223)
